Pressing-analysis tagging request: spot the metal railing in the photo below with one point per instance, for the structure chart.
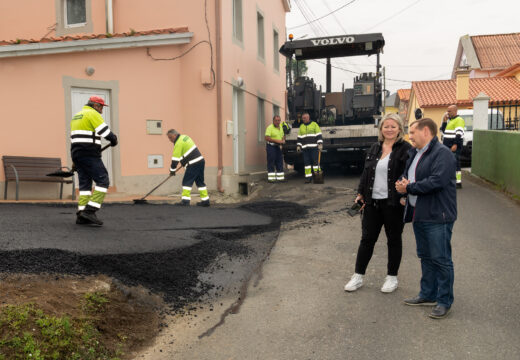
(504, 116)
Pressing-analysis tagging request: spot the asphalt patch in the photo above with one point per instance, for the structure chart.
(174, 272)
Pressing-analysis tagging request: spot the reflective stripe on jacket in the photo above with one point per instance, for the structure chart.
(184, 151)
(309, 136)
(453, 131)
(86, 130)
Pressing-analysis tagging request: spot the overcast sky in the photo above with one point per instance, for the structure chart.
(421, 36)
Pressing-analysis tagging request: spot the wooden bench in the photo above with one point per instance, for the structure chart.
(23, 168)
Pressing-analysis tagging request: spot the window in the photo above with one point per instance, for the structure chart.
(276, 110)
(73, 17)
(260, 27)
(237, 20)
(75, 13)
(261, 120)
(276, 55)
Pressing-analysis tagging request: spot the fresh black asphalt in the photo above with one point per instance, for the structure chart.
(127, 228)
(165, 248)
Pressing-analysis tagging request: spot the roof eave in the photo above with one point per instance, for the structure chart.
(61, 47)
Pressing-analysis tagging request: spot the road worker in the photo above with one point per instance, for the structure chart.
(186, 154)
(286, 127)
(275, 138)
(453, 136)
(87, 128)
(310, 141)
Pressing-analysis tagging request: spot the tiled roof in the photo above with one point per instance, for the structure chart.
(94, 36)
(443, 92)
(497, 52)
(404, 94)
(511, 71)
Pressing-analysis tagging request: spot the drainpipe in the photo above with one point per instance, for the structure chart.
(110, 16)
(218, 12)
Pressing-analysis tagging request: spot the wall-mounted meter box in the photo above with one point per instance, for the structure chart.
(155, 161)
(154, 127)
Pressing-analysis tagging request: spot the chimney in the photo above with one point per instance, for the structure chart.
(462, 75)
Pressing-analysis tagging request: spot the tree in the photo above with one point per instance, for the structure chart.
(300, 70)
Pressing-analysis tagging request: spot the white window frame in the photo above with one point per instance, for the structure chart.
(65, 19)
(62, 28)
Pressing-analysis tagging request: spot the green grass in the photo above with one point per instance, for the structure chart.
(26, 332)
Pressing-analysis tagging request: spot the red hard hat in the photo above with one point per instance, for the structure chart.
(97, 100)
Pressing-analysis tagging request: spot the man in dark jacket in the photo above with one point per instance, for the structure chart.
(429, 181)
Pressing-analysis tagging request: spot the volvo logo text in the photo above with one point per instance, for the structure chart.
(334, 41)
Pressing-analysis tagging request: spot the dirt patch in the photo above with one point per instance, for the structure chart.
(142, 288)
(129, 322)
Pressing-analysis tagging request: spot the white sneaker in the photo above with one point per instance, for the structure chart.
(390, 284)
(355, 282)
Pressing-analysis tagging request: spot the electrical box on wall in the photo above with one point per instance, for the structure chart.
(229, 127)
(154, 127)
(155, 161)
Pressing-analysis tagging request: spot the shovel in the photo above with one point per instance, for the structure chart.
(142, 200)
(70, 172)
(317, 176)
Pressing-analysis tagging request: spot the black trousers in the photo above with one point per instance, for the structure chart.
(375, 216)
(91, 169)
(194, 174)
(274, 159)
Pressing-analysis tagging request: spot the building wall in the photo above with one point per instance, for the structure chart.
(141, 88)
(391, 110)
(260, 77)
(495, 158)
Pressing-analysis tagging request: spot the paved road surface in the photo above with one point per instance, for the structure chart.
(297, 309)
(128, 229)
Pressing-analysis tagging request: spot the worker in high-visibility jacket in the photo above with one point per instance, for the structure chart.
(453, 136)
(274, 139)
(285, 127)
(186, 154)
(310, 142)
(87, 128)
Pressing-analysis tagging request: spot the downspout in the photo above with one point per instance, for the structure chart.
(110, 16)
(218, 14)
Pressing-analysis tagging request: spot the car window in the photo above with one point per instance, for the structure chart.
(468, 120)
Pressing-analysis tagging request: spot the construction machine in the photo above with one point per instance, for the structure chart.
(348, 118)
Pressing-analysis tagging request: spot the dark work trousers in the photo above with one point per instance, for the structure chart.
(274, 159)
(457, 156)
(91, 169)
(374, 217)
(310, 160)
(194, 173)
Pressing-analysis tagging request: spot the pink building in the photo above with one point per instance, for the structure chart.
(208, 68)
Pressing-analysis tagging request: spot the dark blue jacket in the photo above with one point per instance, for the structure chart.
(435, 185)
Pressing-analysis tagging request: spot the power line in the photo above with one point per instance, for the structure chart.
(321, 17)
(392, 16)
(358, 73)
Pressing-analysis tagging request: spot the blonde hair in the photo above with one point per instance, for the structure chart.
(399, 123)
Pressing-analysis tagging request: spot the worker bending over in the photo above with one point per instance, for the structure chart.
(186, 153)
